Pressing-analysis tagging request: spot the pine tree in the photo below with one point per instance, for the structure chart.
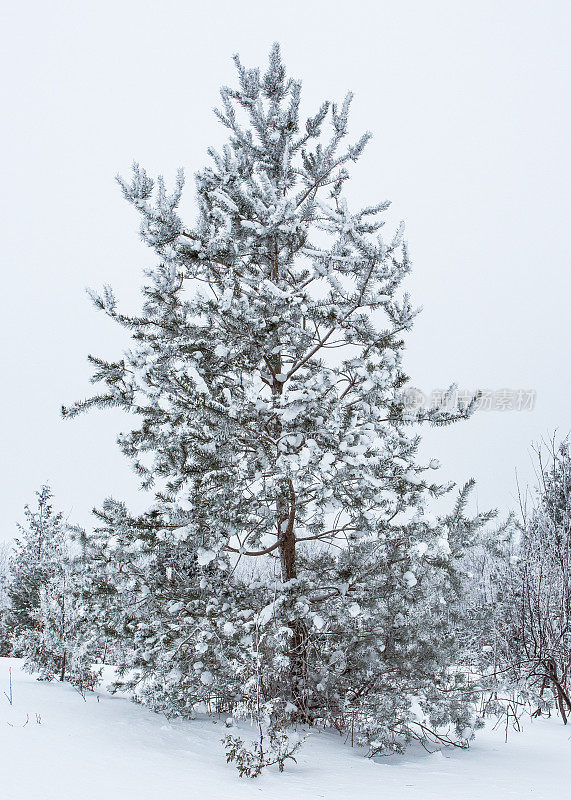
(32, 562)
(288, 567)
(45, 614)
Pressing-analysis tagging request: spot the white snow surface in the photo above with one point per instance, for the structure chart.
(107, 747)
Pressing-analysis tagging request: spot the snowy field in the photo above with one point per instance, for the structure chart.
(56, 746)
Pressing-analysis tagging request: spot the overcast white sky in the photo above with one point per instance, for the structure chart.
(470, 109)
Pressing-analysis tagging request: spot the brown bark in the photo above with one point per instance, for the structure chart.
(298, 639)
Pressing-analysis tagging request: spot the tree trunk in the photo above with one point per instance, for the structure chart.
(298, 639)
(285, 514)
(563, 701)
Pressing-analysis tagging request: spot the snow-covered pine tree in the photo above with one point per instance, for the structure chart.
(287, 565)
(61, 645)
(45, 589)
(32, 562)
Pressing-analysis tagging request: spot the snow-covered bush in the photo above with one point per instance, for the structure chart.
(274, 746)
(288, 559)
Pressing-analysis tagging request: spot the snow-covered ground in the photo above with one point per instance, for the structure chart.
(56, 746)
